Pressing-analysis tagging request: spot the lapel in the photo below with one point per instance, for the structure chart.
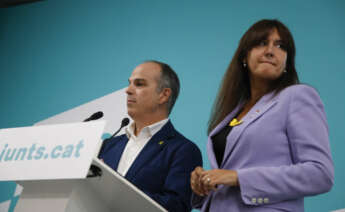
(151, 149)
(119, 150)
(262, 106)
(221, 125)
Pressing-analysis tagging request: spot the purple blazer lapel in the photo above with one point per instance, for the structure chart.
(210, 150)
(262, 106)
(225, 121)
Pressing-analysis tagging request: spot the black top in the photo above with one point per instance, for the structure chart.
(219, 143)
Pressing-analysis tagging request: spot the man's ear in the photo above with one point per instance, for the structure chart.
(164, 95)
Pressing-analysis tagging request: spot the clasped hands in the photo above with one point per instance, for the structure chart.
(204, 181)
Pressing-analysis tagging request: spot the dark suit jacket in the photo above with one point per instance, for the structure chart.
(162, 169)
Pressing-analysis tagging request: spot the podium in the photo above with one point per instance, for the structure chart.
(52, 163)
(108, 192)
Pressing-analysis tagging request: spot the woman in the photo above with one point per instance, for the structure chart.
(268, 136)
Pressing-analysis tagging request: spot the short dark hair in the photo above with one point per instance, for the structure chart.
(168, 79)
(235, 86)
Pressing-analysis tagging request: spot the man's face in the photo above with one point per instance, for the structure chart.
(143, 97)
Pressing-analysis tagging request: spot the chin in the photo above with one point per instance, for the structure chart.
(271, 78)
(269, 74)
(131, 113)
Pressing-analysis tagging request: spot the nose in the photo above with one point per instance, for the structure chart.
(129, 89)
(269, 51)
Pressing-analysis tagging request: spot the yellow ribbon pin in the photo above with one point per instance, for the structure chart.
(234, 122)
(161, 142)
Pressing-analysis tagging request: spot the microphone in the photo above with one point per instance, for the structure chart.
(124, 122)
(95, 170)
(94, 116)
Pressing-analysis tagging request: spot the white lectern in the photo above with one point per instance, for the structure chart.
(52, 162)
(109, 192)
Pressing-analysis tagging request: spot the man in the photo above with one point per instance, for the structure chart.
(152, 154)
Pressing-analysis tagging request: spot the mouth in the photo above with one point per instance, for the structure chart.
(268, 62)
(130, 101)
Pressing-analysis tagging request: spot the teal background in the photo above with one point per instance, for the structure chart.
(56, 55)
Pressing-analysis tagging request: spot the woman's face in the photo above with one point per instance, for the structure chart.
(267, 61)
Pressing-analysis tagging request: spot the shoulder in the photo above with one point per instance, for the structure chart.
(184, 151)
(118, 138)
(111, 142)
(300, 92)
(185, 141)
(181, 142)
(298, 89)
(300, 98)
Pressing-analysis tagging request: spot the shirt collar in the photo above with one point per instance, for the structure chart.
(147, 131)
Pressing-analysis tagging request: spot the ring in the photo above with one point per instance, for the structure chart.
(208, 179)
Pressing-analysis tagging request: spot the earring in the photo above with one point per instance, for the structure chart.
(284, 71)
(244, 65)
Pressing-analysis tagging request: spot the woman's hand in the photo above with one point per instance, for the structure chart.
(196, 183)
(216, 177)
(202, 182)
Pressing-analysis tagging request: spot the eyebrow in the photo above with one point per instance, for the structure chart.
(137, 80)
(279, 40)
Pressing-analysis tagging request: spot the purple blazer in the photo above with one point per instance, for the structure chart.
(281, 153)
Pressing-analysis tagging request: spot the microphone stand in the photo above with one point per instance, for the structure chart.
(96, 171)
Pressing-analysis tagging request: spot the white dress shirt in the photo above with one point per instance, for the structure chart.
(136, 143)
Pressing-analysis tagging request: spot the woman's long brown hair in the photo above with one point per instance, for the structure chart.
(235, 86)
